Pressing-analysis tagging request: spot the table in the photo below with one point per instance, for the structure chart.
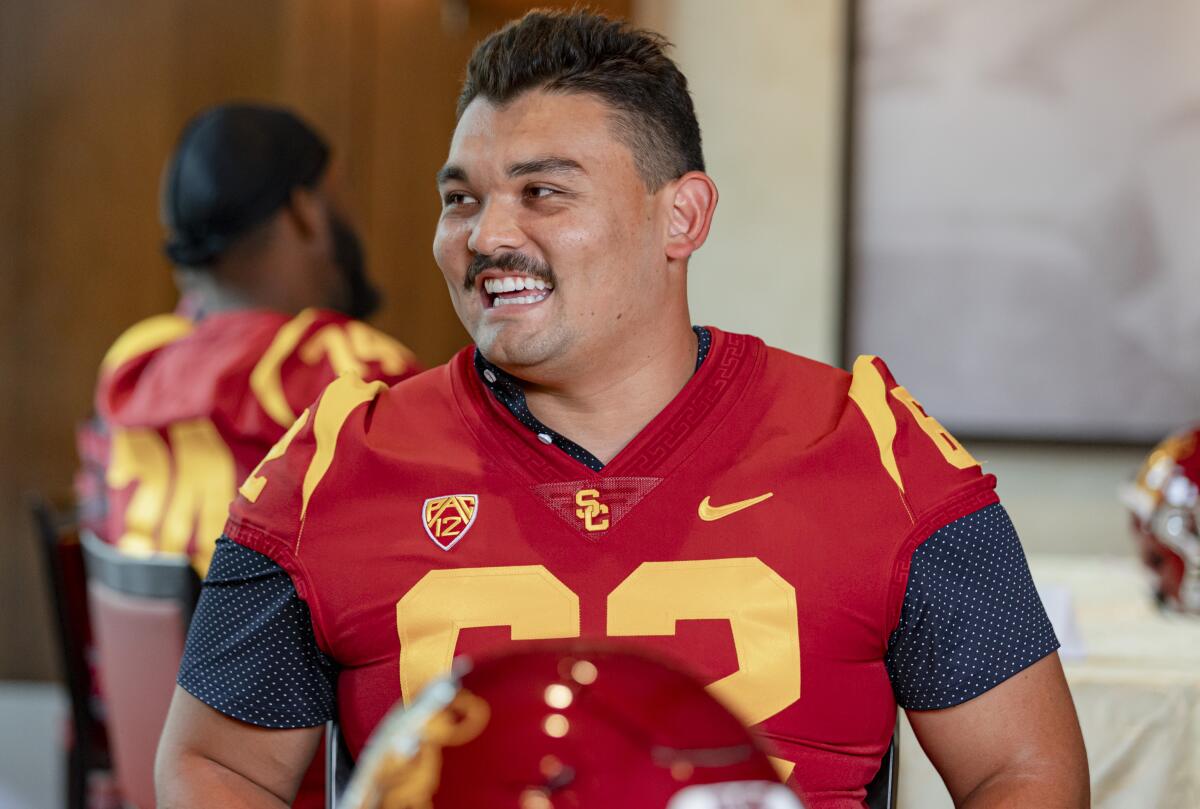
(1136, 688)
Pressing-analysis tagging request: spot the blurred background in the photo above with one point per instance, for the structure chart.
(886, 187)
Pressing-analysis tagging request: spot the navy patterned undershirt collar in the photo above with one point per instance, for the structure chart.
(508, 391)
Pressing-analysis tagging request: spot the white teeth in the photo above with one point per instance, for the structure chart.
(512, 283)
(520, 299)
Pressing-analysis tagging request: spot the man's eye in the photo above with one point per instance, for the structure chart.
(453, 198)
(540, 192)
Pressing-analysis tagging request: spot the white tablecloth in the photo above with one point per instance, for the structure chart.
(1136, 687)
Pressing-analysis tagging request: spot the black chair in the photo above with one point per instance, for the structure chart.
(338, 765)
(881, 792)
(140, 608)
(86, 743)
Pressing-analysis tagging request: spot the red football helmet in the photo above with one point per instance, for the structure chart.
(1165, 503)
(571, 724)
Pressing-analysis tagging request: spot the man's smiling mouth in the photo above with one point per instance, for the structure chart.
(513, 290)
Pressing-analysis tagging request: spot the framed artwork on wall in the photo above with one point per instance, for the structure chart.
(1024, 236)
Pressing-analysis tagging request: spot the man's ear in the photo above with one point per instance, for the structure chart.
(694, 198)
(306, 212)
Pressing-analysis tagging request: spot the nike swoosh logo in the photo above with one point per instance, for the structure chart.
(708, 512)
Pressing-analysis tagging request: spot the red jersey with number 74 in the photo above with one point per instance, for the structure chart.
(191, 406)
(758, 530)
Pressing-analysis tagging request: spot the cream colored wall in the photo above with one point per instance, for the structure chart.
(1064, 499)
(767, 84)
(766, 79)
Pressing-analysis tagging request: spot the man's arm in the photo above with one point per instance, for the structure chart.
(973, 662)
(1016, 745)
(206, 758)
(254, 691)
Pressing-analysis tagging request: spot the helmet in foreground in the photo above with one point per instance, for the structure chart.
(1164, 501)
(569, 725)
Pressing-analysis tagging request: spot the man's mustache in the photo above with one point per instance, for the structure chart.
(513, 262)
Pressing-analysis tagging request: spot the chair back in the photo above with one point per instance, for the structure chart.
(86, 745)
(338, 765)
(881, 792)
(140, 609)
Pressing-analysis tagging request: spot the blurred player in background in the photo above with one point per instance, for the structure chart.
(272, 282)
(809, 542)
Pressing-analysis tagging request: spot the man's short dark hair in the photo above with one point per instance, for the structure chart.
(582, 52)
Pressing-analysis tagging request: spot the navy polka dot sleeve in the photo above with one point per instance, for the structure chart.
(971, 616)
(250, 650)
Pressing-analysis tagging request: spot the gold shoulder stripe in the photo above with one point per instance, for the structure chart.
(337, 402)
(869, 392)
(783, 767)
(255, 482)
(955, 453)
(265, 379)
(152, 333)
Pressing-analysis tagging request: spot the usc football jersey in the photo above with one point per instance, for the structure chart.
(760, 530)
(188, 408)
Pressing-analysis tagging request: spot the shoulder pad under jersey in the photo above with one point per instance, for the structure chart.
(315, 347)
(927, 464)
(274, 502)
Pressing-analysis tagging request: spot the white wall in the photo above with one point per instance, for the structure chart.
(1064, 499)
(766, 77)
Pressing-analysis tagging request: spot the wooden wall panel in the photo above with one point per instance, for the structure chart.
(412, 116)
(87, 132)
(92, 97)
(15, 549)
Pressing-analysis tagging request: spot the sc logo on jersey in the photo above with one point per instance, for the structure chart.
(591, 509)
(449, 517)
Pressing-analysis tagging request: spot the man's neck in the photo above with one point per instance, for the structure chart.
(603, 411)
(208, 296)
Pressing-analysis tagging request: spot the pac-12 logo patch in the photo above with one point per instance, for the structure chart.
(449, 517)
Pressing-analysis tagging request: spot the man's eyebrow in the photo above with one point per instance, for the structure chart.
(450, 172)
(543, 165)
(546, 165)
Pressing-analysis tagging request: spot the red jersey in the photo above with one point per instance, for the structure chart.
(191, 407)
(759, 530)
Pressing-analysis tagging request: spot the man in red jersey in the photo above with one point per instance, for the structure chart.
(809, 542)
(271, 278)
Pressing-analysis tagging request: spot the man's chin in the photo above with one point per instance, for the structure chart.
(512, 349)
(513, 359)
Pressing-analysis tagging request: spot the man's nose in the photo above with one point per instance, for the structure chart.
(496, 230)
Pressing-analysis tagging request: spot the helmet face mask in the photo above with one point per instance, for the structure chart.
(407, 764)
(560, 726)
(1165, 504)
(1176, 528)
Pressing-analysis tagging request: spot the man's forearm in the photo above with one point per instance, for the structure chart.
(1062, 791)
(188, 781)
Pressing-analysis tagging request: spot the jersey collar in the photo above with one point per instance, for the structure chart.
(507, 391)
